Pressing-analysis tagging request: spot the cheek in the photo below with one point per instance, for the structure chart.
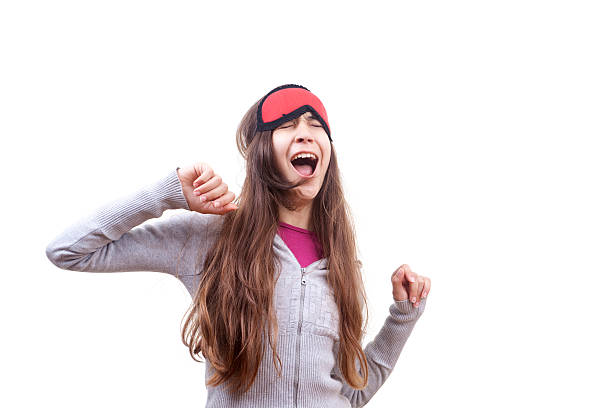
(327, 156)
(326, 165)
(277, 151)
(278, 164)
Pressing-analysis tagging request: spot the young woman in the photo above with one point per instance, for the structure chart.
(278, 296)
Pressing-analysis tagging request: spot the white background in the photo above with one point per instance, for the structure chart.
(472, 137)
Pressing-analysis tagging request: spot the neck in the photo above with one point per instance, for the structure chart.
(299, 218)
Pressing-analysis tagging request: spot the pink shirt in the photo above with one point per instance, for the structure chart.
(302, 242)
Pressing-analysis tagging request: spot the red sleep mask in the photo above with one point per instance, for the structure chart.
(288, 102)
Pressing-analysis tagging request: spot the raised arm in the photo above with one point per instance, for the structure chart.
(107, 240)
(383, 352)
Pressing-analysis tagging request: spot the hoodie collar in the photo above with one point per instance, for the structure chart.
(287, 256)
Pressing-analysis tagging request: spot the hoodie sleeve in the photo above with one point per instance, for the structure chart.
(383, 352)
(107, 240)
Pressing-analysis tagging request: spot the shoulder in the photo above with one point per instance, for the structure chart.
(199, 223)
(201, 232)
(198, 228)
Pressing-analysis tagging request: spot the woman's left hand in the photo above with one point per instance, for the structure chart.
(407, 284)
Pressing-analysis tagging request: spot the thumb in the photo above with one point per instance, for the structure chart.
(229, 208)
(399, 290)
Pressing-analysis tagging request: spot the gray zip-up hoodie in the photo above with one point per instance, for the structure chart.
(112, 240)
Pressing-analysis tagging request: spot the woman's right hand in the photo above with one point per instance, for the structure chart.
(199, 181)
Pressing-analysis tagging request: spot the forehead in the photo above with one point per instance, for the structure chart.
(307, 115)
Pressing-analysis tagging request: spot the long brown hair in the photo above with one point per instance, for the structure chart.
(235, 297)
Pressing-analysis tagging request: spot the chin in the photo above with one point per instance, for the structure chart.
(308, 195)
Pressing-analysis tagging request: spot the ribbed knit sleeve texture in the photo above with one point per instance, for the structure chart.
(384, 350)
(107, 240)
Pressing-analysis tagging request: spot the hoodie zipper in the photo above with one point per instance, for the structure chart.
(299, 339)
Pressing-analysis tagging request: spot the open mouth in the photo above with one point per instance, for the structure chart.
(305, 166)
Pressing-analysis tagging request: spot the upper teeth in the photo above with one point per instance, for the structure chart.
(310, 155)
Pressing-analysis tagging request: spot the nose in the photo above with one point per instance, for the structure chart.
(303, 132)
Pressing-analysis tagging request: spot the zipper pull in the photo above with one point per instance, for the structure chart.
(303, 279)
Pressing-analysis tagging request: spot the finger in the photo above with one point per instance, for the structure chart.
(407, 276)
(426, 288)
(229, 207)
(222, 210)
(413, 289)
(401, 282)
(225, 199)
(214, 192)
(410, 281)
(397, 281)
(206, 173)
(219, 201)
(212, 182)
(421, 281)
(410, 275)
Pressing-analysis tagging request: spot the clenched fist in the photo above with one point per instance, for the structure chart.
(204, 190)
(409, 285)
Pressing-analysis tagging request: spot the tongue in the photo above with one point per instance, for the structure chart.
(304, 169)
